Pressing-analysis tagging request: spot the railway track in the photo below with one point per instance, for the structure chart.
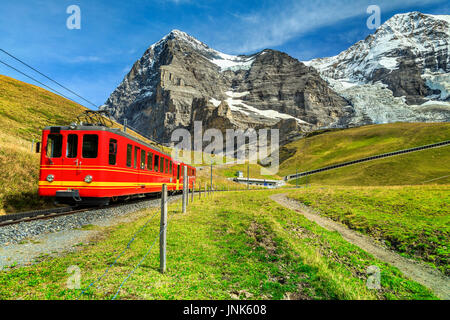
(16, 218)
(379, 156)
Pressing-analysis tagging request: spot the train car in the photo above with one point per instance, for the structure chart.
(94, 164)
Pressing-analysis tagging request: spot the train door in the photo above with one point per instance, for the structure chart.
(72, 159)
(142, 174)
(53, 159)
(136, 166)
(88, 161)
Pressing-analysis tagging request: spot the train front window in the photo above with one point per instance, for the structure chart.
(54, 146)
(112, 151)
(90, 146)
(143, 159)
(72, 145)
(129, 154)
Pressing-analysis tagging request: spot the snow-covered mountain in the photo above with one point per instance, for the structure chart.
(180, 80)
(423, 39)
(399, 73)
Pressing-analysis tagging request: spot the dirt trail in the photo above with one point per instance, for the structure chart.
(419, 272)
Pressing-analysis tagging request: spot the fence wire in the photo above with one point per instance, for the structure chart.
(120, 254)
(142, 260)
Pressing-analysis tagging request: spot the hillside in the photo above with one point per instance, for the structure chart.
(339, 146)
(25, 110)
(180, 80)
(236, 245)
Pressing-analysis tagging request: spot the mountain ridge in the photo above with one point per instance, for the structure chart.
(180, 79)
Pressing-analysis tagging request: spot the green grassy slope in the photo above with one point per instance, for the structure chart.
(345, 145)
(25, 110)
(235, 245)
(412, 220)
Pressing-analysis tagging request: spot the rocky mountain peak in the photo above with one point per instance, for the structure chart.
(392, 75)
(424, 39)
(401, 70)
(179, 80)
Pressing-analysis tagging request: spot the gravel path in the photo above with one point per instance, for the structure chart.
(419, 272)
(21, 244)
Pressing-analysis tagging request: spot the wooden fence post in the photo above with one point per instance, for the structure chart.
(163, 230)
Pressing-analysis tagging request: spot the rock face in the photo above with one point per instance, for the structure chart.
(180, 80)
(399, 73)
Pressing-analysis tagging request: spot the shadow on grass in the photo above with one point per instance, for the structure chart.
(26, 201)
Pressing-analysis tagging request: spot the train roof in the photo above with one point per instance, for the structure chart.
(116, 131)
(112, 130)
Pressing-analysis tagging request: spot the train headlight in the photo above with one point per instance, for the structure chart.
(50, 178)
(88, 179)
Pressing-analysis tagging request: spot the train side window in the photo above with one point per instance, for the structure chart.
(129, 154)
(150, 161)
(170, 166)
(156, 163)
(143, 159)
(72, 146)
(165, 165)
(178, 172)
(90, 146)
(112, 151)
(54, 145)
(136, 154)
(162, 165)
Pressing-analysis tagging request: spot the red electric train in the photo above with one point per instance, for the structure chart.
(93, 164)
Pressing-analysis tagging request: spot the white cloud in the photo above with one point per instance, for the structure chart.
(84, 59)
(275, 26)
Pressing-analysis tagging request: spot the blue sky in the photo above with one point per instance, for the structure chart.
(93, 60)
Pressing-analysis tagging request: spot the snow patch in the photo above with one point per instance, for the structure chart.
(234, 63)
(215, 102)
(239, 106)
(439, 81)
(377, 103)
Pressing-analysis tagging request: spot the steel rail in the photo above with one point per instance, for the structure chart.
(379, 156)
